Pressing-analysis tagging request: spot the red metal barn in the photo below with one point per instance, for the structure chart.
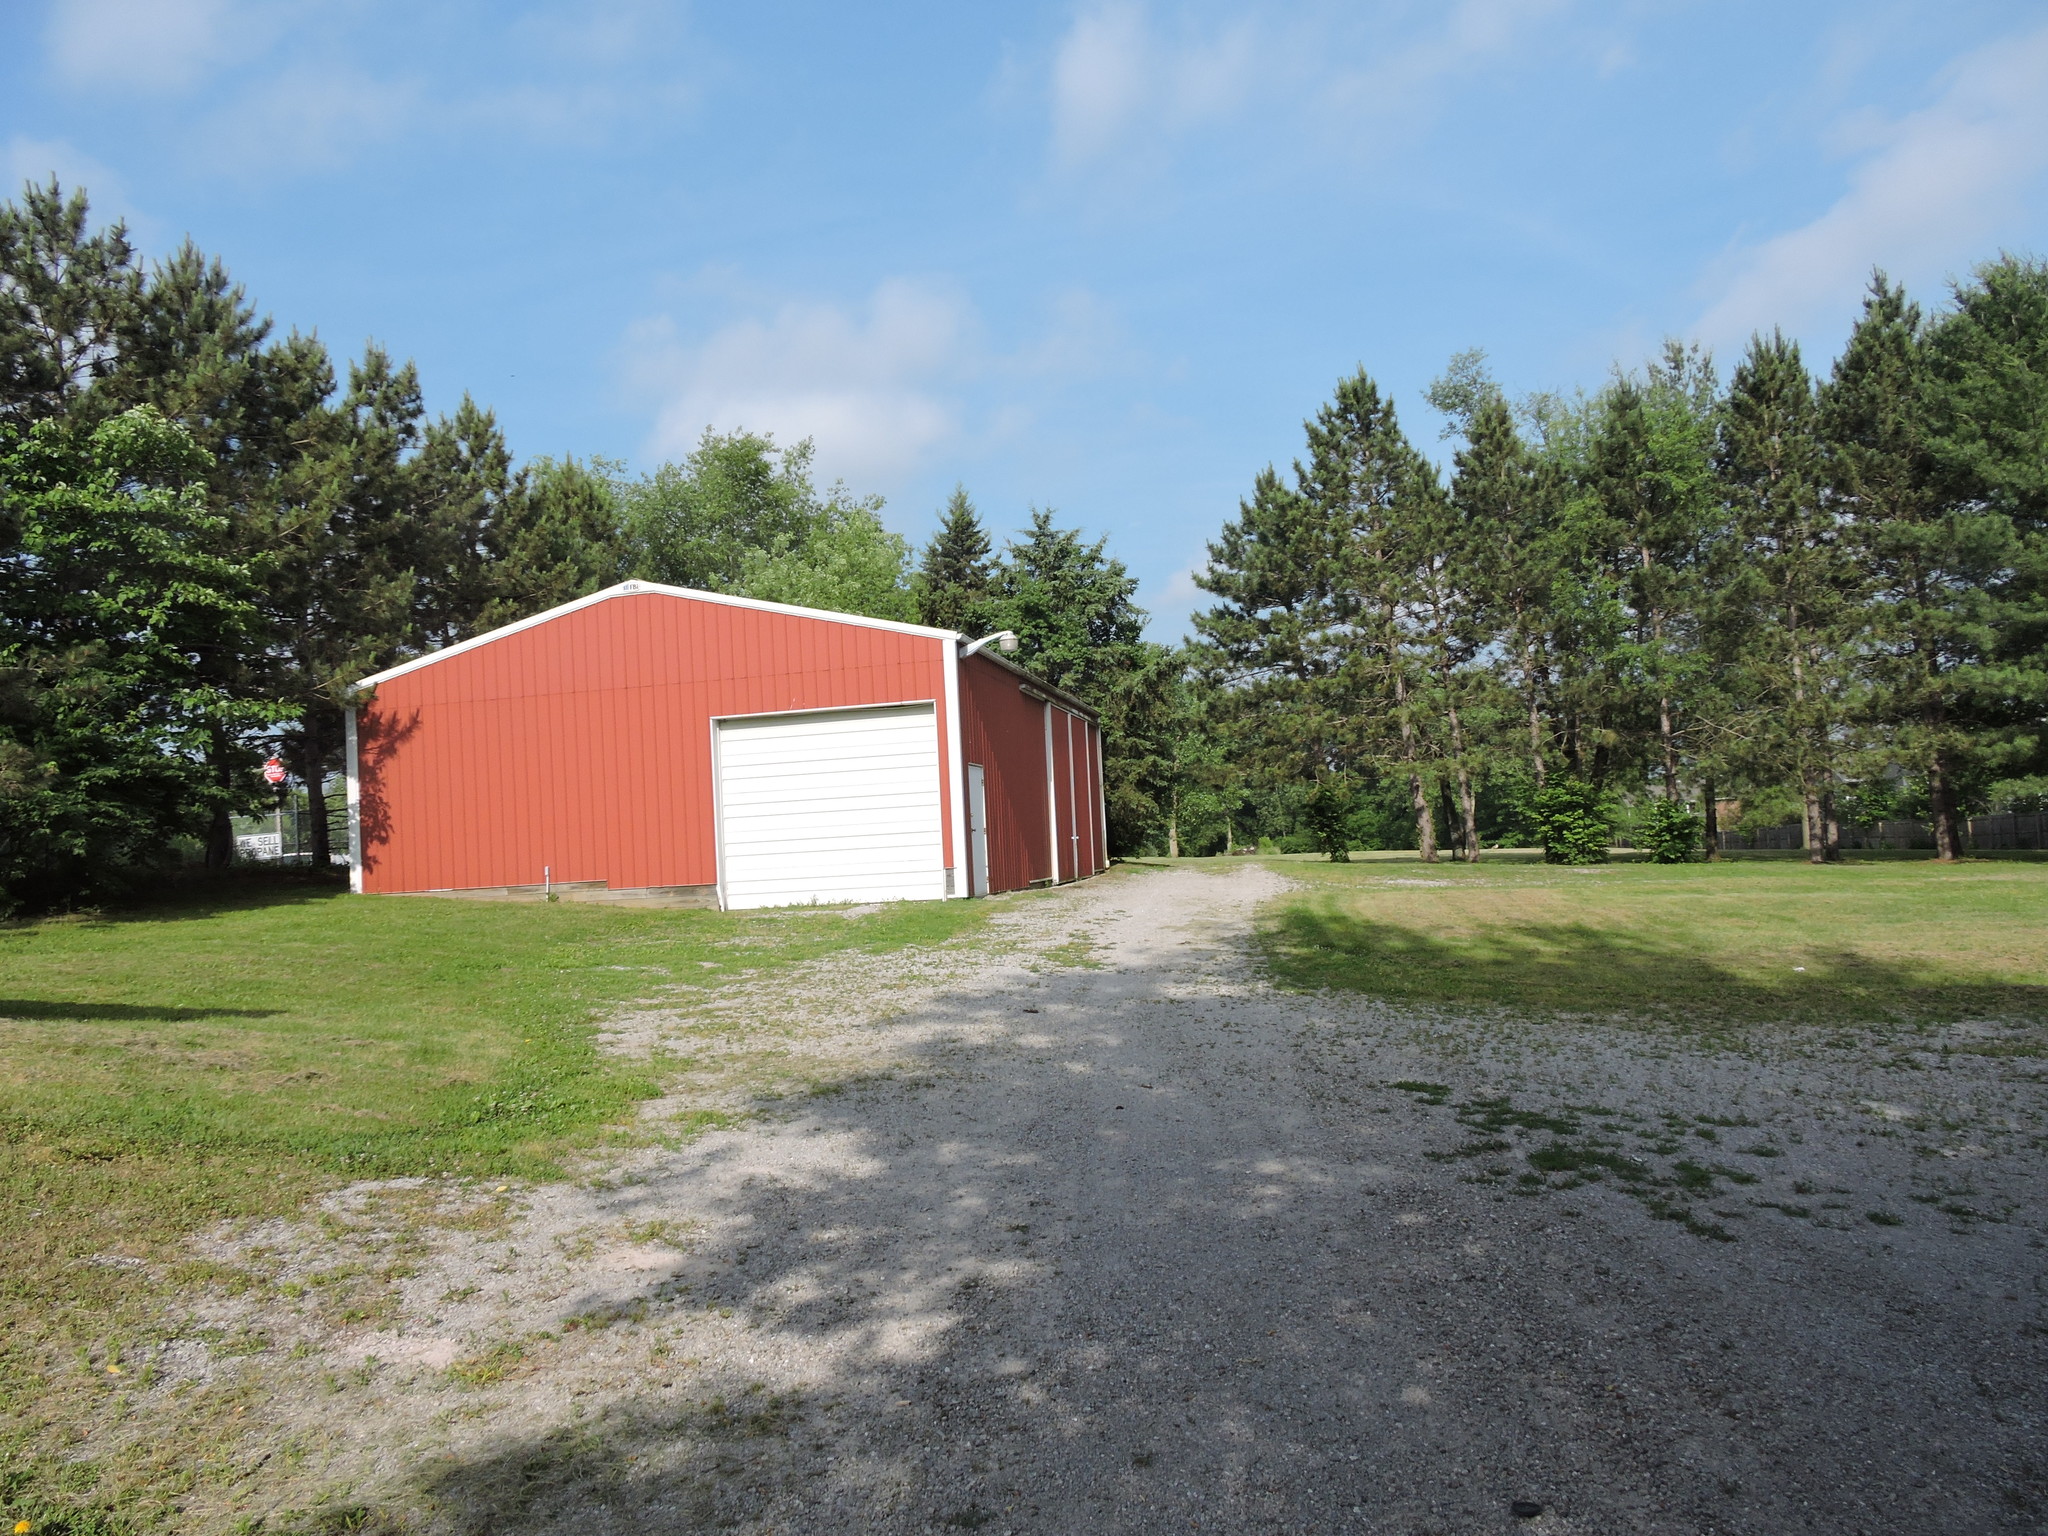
(660, 741)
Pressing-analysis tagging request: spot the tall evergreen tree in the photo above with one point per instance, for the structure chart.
(460, 488)
(1507, 505)
(65, 296)
(1652, 478)
(1927, 561)
(343, 600)
(1270, 647)
(1364, 476)
(1988, 440)
(956, 573)
(1787, 604)
(556, 539)
(1072, 607)
(1446, 618)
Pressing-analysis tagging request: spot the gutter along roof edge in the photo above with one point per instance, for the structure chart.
(1058, 695)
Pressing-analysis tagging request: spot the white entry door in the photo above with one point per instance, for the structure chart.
(977, 827)
(839, 805)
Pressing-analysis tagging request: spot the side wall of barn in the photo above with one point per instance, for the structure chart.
(1004, 732)
(581, 746)
(1038, 759)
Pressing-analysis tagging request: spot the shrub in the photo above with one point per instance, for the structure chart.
(1327, 812)
(1669, 832)
(1574, 821)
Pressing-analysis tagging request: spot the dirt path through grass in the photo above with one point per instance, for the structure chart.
(1089, 1229)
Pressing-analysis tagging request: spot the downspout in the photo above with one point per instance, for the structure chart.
(1074, 799)
(1101, 800)
(956, 775)
(355, 802)
(1052, 800)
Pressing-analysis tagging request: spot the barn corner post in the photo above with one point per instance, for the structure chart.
(354, 779)
(1102, 803)
(1052, 802)
(1074, 797)
(959, 872)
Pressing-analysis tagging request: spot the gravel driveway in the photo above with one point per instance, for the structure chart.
(1115, 1238)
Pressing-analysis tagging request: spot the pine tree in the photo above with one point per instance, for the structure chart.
(65, 297)
(1651, 475)
(192, 347)
(1788, 601)
(460, 487)
(343, 595)
(1988, 442)
(1508, 508)
(1271, 649)
(1928, 563)
(1445, 618)
(956, 572)
(1382, 499)
(1989, 376)
(1071, 605)
(556, 539)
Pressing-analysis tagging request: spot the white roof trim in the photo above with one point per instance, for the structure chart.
(636, 589)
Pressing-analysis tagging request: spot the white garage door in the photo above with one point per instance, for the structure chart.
(838, 806)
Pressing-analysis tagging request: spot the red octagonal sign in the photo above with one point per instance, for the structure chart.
(273, 772)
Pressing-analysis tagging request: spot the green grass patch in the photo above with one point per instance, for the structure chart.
(231, 1053)
(1733, 943)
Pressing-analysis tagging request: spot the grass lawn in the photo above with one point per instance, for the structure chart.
(232, 1053)
(1738, 942)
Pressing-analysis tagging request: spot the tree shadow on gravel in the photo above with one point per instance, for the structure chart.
(1073, 1283)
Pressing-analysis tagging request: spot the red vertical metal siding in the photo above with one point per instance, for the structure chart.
(582, 745)
(1087, 807)
(1101, 811)
(1063, 791)
(1092, 831)
(1005, 732)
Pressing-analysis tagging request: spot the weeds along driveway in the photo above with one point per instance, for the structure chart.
(1099, 1233)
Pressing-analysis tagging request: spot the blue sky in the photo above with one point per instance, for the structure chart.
(1102, 257)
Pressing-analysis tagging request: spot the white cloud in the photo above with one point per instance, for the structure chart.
(1173, 602)
(268, 86)
(151, 45)
(1402, 76)
(1180, 592)
(1934, 188)
(306, 116)
(874, 386)
(1114, 77)
(881, 386)
(1122, 88)
(1083, 334)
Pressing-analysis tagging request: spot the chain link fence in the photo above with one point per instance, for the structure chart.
(2010, 830)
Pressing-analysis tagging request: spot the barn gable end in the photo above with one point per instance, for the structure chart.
(585, 748)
